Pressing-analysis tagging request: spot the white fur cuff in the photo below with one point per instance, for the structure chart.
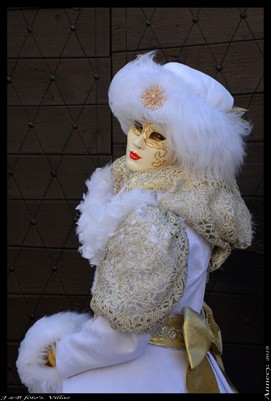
(31, 362)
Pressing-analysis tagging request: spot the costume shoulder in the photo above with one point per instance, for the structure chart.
(119, 165)
(215, 209)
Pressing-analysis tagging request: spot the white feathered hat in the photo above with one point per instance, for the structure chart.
(203, 129)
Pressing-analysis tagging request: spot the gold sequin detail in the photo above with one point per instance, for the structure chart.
(154, 97)
(171, 334)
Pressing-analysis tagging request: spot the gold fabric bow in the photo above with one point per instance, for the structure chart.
(201, 334)
(198, 333)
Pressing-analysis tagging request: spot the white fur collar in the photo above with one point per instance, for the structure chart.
(102, 211)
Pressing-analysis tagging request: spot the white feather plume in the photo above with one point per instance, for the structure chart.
(102, 212)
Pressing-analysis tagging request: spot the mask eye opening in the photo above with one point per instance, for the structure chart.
(156, 136)
(138, 126)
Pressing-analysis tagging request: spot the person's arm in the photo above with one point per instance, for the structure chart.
(95, 346)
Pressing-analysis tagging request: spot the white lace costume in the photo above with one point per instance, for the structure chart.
(155, 236)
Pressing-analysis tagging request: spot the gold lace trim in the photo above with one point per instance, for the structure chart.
(213, 207)
(143, 271)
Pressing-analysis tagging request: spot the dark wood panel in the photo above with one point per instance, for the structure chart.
(51, 177)
(242, 63)
(118, 151)
(20, 310)
(53, 33)
(66, 130)
(224, 24)
(51, 224)
(17, 390)
(102, 28)
(19, 319)
(244, 366)
(76, 81)
(13, 380)
(241, 274)
(256, 208)
(16, 33)
(240, 317)
(255, 104)
(147, 28)
(250, 180)
(59, 272)
(18, 220)
(119, 138)
(12, 374)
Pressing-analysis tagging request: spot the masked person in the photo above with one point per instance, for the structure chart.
(156, 223)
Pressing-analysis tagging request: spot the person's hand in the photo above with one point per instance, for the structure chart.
(51, 357)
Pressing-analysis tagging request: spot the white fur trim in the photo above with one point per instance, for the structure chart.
(34, 373)
(204, 133)
(102, 212)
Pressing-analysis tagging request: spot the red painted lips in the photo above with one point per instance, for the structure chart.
(134, 156)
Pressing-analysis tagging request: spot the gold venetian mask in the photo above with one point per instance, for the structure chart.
(146, 147)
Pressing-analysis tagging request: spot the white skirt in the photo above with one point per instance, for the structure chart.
(158, 370)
